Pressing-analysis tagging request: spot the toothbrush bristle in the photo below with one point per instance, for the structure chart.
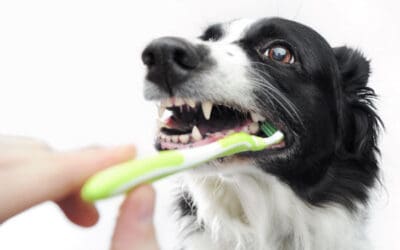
(268, 129)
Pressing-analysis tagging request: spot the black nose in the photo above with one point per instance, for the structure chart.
(170, 61)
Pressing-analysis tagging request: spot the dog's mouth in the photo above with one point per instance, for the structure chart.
(191, 123)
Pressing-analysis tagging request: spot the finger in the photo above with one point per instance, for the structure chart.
(134, 229)
(74, 168)
(22, 143)
(55, 176)
(78, 211)
(18, 149)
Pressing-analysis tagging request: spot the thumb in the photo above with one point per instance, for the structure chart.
(134, 229)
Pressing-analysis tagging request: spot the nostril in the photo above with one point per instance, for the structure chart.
(148, 58)
(185, 60)
(171, 61)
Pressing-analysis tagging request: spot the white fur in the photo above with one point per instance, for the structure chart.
(239, 206)
(228, 80)
(245, 208)
(235, 30)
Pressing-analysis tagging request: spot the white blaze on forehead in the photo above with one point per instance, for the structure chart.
(228, 79)
(235, 30)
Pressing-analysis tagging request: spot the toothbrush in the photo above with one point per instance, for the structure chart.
(125, 176)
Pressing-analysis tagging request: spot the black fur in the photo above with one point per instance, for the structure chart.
(186, 205)
(331, 143)
(335, 142)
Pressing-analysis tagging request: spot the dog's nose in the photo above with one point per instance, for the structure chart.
(170, 61)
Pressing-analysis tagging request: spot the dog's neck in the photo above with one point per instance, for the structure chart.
(254, 210)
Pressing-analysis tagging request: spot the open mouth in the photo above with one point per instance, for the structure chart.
(191, 123)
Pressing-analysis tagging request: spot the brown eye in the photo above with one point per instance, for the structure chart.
(280, 54)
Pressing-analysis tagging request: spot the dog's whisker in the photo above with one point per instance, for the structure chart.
(308, 191)
(283, 101)
(291, 106)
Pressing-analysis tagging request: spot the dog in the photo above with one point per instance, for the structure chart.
(309, 192)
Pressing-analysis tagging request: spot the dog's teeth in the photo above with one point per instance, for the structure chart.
(184, 138)
(179, 102)
(175, 139)
(207, 109)
(246, 129)
(162, 124)
(253, 128)
(163, 103)
(165, 138)
(196, 134)
(159, 124)
(167, 103)
(256, 117)
(230, 132)
(161, 110)
(191, 103)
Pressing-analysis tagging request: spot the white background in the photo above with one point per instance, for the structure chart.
(70, 73)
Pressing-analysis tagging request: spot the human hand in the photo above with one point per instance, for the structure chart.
(31, 173)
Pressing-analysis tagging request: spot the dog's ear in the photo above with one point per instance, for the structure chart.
(361, 123)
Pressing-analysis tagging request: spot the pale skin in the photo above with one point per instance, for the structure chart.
(32, 173)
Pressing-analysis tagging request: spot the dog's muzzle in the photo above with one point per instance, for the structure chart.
(170, 61)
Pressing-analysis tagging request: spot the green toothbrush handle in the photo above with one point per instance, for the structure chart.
(125, 176)
(119, 178)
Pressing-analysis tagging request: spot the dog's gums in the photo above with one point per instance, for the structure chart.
(192, 123)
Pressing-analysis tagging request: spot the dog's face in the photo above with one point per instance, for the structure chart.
(238, 74)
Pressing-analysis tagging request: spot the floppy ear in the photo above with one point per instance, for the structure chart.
(362, 122)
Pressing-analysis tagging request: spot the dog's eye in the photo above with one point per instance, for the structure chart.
(280, 54)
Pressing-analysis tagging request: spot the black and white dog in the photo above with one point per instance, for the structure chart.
(309, 192)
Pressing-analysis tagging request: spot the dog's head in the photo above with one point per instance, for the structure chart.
(238, 74)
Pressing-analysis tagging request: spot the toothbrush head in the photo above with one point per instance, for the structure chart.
(268, 129)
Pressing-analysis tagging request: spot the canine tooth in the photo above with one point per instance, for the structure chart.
(191, 103)
(196, 134)
(256, 117)
(179, 102)
(230, 132)
(207, 109)
(164, 117)
(218, 134)
(253, 128)
(246, 129)
(175, 138)
(184, 138)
